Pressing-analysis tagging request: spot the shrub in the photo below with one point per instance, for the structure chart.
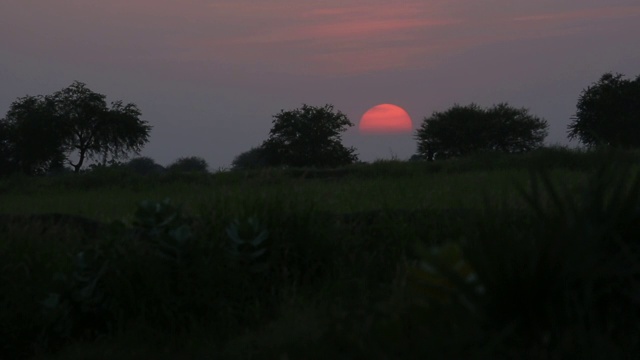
(144, 166)
(189, 164)
(251, 159)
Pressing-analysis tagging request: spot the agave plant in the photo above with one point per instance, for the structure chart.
(571, 260)
(247, 245)
(164, 224)
(80, 303)
(590, 252)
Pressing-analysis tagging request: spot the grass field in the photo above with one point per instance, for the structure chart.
(532, 256)
(343, 192)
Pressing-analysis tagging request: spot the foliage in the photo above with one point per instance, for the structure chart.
(416, 157)
(29, 254)
(7, 164)
(44, 131)
(571, 265)
(164, 225)
(144, 166)
(309, 136)
(608, 113)
(323, 267)
(444, 276)
(78, 306)
(459, 182)
(154, 220)
(463, 130)
(189, 164)
(247, 244)
(97, 131)
(31, 140)
(252, 159)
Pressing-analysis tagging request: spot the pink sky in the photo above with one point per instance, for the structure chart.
(208, 75)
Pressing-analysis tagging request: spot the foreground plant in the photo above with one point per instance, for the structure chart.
(165, 225)
(247, 244)
(444, 276)
(561, 277)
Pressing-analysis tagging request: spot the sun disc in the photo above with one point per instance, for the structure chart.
(385, 118)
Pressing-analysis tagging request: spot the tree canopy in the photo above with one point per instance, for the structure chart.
(71, 125)
(608, 113)
(251, 159)
(96, 131)
(30, 141)
(462, 130)
(189, 164)
(144, 166)
(309, 136)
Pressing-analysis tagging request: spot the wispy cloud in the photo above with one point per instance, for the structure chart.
(584, 14)
(357, 36)
(327, 37)
(335, 37)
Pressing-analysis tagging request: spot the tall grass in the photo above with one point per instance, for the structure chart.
(350, 194)
(410, 262)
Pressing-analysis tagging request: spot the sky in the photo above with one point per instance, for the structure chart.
(209, 75)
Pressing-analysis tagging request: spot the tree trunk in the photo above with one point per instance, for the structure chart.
(78, 165)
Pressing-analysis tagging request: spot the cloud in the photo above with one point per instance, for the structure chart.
(351, 37)
(291, 36)
(335, 37)
(584, 14)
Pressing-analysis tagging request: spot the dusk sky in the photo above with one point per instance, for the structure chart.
(209, 74)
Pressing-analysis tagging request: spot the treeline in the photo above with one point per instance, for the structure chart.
(74, 126)
(147, 166)
(608, 115)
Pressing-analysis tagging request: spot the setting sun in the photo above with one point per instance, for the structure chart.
(385, 118)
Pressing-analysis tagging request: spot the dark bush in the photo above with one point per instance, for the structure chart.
(251, 159)
(144, 166)
(189, 164)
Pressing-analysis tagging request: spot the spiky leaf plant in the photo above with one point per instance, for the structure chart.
(569, 265)
(164, 225)
(247, 245)
(78, 305)
(576, 266)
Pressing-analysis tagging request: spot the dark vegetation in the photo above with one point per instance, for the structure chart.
(608, 113)
(189, 164)
(463, 130)
(308, 136)
(141, 166)
(501, 250)
(40, 134)
(549, 274)
(251, 159)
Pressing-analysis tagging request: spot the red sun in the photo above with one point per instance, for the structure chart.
(385, 118)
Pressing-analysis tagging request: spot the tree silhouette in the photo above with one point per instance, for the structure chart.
(40, 132)
(96, 131)
(608, 113)
(189, 164)
(462, 130)
(31, 140)
(7, 166)
(251, 159)
(144, 166)
(309, 136)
